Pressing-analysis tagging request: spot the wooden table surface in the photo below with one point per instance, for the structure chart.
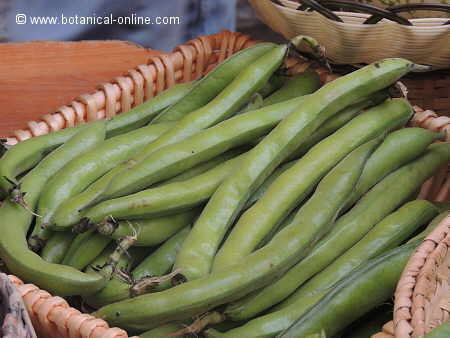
(37, 77)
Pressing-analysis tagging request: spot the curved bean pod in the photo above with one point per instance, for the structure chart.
(294, 184)
(258, 269)
(166, 199)
(76, 243)
(196, 256)
(87, 251)
(58, 279)
(216, 110)
(176, 158)
(224, 105)
(71, 212)
(387, 234)
(369, 286)
(294, 86)
(387, 158)
(275, 323)
(204, 167)
(79, 173)
(214, 82)
(369, 210)
(336, 122)
(56, 247)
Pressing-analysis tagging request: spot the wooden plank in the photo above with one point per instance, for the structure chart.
(37, 77)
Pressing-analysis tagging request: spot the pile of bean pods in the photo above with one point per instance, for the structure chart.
(245, 204)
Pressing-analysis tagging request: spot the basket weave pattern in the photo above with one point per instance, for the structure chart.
(52, 316)
(352, 42)
(186, 63)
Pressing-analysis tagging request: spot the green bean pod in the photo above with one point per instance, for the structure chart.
(76, 243)
(191, 124)
(204, 166)
(207, 144)
(328, 127)
(27, 154)
(196, 256)
(383, 271)
(294, 86)
(302, 83)
(287, 247)
(387, 234)
(166, 199)
(156, 264)
(224, 105)
(205, 89)
(371, 209)
(56, 247)
(256, 196)
(81, 172)
(288, 220)
(387, 158)
(87, 251)
(67, 215)
(368, 286)
(336, 122)
(294, 184)
(433, 224)
(149, 231)
(58, 279)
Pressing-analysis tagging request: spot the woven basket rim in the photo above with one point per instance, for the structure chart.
(414, 310)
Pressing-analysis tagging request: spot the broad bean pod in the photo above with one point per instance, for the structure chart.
(288, 246)
(196, 256)
(292, 186)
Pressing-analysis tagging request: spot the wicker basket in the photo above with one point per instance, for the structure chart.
(348, 40)
(52, 316)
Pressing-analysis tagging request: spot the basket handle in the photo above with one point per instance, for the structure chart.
(409, 7)
(325, 7)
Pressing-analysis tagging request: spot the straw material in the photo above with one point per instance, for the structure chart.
(351, 42)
